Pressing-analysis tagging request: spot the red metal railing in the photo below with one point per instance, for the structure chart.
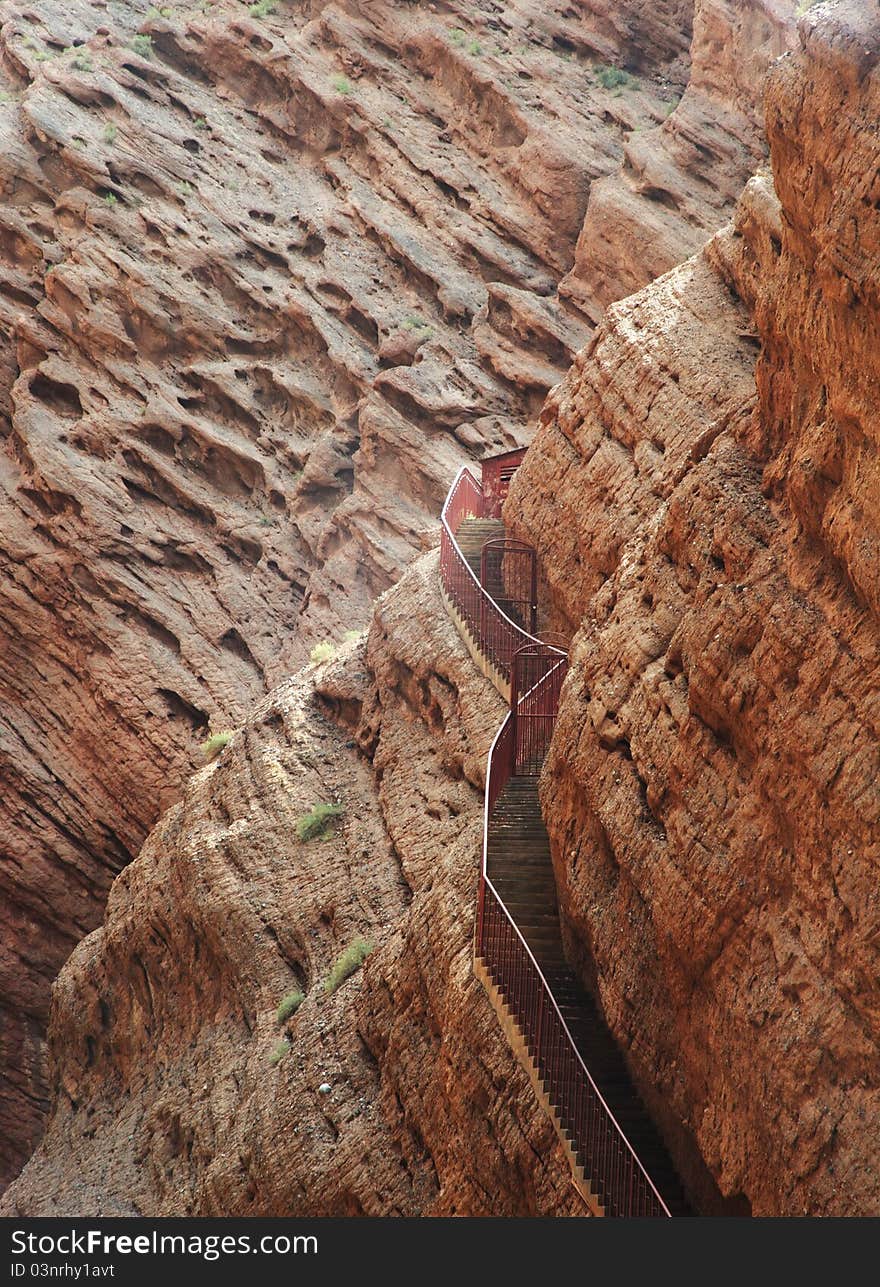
(493, 632)
(509, 575)
(618, 1178)
(535, 672)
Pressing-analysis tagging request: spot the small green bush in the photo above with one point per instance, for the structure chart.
(612, 77)
(143, 45)
(324, 651)
(342, 85)
(215, 744)
(83, 61)
(111, 199)
(289, 1005)
(200, 123)
(262, 8)
(458, 37)
(110, 132)
(351, 635)
(475, 48)
(317, 821)
(351, 959)
(279, 1052)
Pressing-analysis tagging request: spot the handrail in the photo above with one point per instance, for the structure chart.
(468, 595)
(601, 1137)
(486, 885)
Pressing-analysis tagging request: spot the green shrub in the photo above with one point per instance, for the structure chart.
(324, 651)
(612, 77)
(318, 820)
(200, 123)
(111, 199)
(83, 61)
(350, 636)
(288, 1005)
(417, 323)
(342, 85)
(110, 132)
(215, 744)
(345, 965)
(143, 45)
(279, 1052)
(262, 8)
(475, 48)
(458, 37)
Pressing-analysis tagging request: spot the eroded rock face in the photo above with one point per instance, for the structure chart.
(163, 1021)
(264, 285)
(712, 791)
(679, 181)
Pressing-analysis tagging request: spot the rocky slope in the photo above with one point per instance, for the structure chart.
(266, 280)
(712, 791)
(398, 1094)
(680, 180)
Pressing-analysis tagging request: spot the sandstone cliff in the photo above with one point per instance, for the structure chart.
(163, 1021)
(266, 280)
(712, 792)
(679, 180)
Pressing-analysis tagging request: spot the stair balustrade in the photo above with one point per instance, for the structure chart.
(531, 672)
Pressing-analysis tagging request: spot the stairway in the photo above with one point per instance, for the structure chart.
(521, 869)
(472, 535)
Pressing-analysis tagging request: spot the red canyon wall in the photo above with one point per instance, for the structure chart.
(713, 788)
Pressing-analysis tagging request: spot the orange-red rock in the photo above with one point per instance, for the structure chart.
(265, 283)
(712, 792)
(164, 1020)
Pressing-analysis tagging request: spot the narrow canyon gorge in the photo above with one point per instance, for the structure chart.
(270, 274)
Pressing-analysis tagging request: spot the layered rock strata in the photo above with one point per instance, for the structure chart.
(679, 181)
(394, 1095)
(712, 789)
(266, 280)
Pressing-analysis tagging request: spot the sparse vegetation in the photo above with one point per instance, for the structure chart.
(804, 5)
(110, 132)
(342, 85)
(111, 199)
(612, 77)
(345, 965)
(288, 1005)
(279, 1051)
(324, 651)
(82, 61)
(351, 635)
(142, 45)
(184, 188)
(475, 48)
(458, 37)
(165, 12)
(200, 123)
(215, 744)
(416, 323)
(318, 821)
(262, 8)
